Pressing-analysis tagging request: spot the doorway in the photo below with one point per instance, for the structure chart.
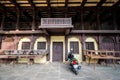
(58, 51)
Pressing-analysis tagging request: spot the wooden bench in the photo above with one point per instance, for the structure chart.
(101, 54)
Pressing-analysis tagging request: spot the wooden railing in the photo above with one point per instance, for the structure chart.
(102, 54)
(56, 21)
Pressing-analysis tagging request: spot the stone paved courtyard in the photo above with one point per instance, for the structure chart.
(57, 71)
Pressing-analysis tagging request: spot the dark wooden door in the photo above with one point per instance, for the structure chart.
(58, 51)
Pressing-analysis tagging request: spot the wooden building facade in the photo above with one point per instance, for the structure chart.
(59, 25)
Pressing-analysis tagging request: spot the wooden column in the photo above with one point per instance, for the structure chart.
(100, 42)
(83, 47)
(82, 22)
(16, 41)
(66, 11)
(18, 19)
(32, 42)
(66, 8)
(113, 11)
(118, 42)
(98, 19)
(33, 19)
(66, 47)
(48, 48)
(49, 12)
(3, 20)
(0, 41)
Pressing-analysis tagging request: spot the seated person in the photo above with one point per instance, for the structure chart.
(70, 55)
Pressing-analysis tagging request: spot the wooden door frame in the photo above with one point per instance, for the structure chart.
(57, 39)
(61, 51)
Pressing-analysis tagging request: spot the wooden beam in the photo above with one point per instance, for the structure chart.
(49, 8)
(83, 3)
(32, 4)
(96, 31)
(66, 8)
(82, 22)
(4, 9)
(98, 19)
(66, 3)
(114, 12)
(22, 32)
(3, 16)
(45, 31)
(34, 14)
(67, 31)
(48, 3)
(2, 6)
(16, 4)
(66, 47)
(100, 3)
(18, 20)
(117, 3)
(48, 47)
(66, 12)
(3, 20)
(33, 19)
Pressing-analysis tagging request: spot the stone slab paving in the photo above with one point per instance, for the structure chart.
(57, 71)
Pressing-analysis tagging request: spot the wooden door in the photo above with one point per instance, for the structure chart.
(58, 51)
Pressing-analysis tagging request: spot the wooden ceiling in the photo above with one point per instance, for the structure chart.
(51, 8)
(57, 3)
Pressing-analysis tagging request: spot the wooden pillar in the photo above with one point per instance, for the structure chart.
(66, 47)
(18, 19)
(66, 11)
(113, 11)
(3, 20)
(98, 20)
(82, 22)
(33, 19)
(48, 48)
(16, 41)
(49, 12)
(0, 41)
(118, 42)
(99, 42)
(99, 36)
(32, 42)
(83, 47)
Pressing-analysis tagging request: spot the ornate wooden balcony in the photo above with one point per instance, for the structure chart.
(56, 23)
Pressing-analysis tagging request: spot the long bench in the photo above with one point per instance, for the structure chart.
(102, 54)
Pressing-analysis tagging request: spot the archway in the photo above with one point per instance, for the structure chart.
(75, 44)
(107, 43)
